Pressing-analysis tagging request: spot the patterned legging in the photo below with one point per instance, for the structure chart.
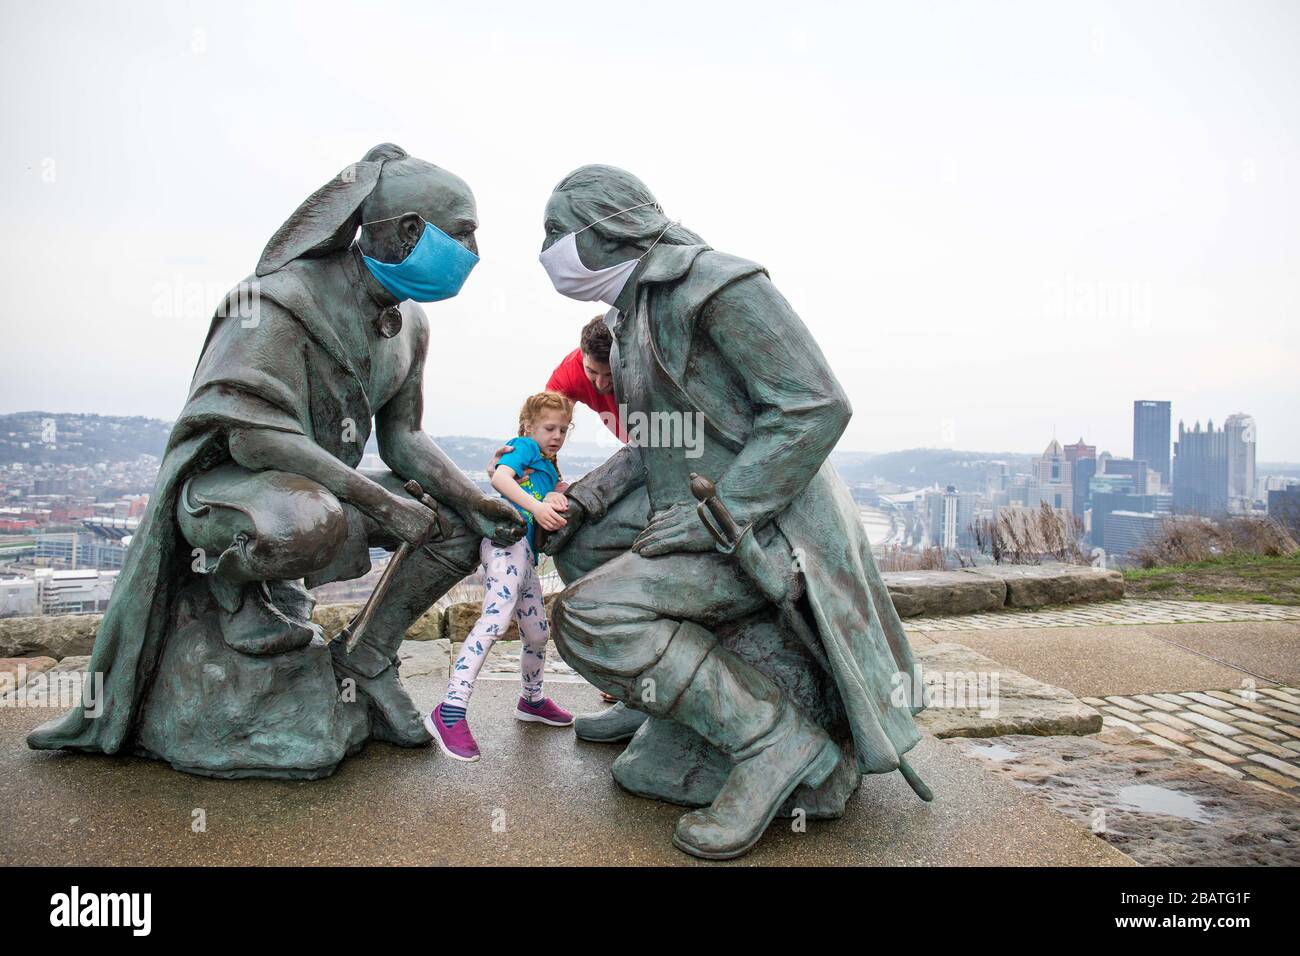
(512, 590)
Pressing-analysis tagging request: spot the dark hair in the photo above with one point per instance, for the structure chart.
(596, 340)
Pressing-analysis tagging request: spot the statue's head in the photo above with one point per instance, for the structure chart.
(393, 193)
(589, 195)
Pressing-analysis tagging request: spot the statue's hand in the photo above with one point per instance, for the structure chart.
(678, 529)
(411, 521)
(574, 515)
(496, 519)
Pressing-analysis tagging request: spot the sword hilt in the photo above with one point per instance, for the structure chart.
(713, 512)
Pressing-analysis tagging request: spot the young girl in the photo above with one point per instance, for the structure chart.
(529, 478)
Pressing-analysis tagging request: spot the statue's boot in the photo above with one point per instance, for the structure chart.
(742, 712)
(253, 622)
(373, 662)
(373, 667)
(612, 725)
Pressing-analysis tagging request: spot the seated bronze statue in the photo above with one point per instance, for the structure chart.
(210, 657)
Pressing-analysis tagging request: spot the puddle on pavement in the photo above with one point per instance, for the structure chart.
(1145, 798)
(996, 752)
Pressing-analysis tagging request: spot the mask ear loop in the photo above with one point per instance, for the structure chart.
(657, 238)
(653, 202)
(375, 222)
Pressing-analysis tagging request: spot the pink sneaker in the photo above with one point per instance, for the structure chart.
(456, 742)
(548, 713)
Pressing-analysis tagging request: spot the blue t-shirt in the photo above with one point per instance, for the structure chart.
(526, 454)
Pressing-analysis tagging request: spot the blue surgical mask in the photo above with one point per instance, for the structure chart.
(435, 270)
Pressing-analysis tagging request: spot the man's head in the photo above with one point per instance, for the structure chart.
(595, 345)
(410, 192)
(589, 194)
(394, 192)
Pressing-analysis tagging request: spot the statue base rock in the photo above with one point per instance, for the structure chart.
(217, 712)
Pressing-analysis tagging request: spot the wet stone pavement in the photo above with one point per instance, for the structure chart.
(1198, 761)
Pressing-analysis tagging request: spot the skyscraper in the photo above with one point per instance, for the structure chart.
(950, 514)
(1051, 481)
(1136, 469)
(1151, 436)
(1240, 430)
(1082, 474)
(1074, 452)
(1127, 531)
(1201, 471)
(1083, 465)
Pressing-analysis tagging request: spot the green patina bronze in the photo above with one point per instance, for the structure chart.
(209, 656)
(745, 719)
(759, 671)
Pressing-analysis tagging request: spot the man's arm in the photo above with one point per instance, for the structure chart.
(408, 451)
(605, 484)
(258, 449)
(800, 409)
(593, 494)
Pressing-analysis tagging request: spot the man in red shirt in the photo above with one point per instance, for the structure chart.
(584, 375)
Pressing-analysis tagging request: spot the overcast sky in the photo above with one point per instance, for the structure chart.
(1002, 221)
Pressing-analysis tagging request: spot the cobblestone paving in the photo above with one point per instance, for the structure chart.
(1247, 733)
(1110, 613)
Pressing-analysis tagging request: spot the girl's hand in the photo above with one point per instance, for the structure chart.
(557, 501)
(547, 516)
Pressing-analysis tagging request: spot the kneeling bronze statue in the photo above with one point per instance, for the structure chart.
(756, 655)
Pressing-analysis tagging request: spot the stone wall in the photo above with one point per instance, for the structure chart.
(915, 594)
(972, 590)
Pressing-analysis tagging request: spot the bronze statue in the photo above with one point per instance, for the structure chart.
(767, 670)
(210, 657)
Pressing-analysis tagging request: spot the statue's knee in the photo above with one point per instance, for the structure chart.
(570, 565)
(574, 624)
(616, 639)
(559, 621)
(258, 526)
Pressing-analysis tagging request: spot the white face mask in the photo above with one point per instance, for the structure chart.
(573, 279)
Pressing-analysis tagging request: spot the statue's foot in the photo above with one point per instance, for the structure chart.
(800, 754)
(610, 726)
(393, 715)
(259, 628)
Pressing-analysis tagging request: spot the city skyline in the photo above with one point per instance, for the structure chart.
(1084, 205)
(604, 440)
